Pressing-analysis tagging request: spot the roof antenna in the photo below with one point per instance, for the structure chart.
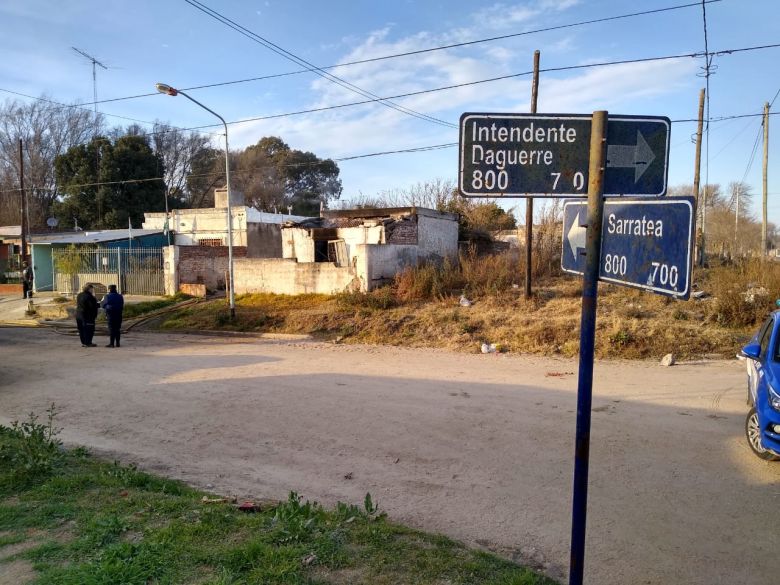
(95, 63)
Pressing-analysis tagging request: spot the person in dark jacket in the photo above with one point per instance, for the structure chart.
(27, 280)
(113, 303)
(86, 313)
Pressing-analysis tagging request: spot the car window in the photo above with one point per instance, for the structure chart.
(766, 334)
(776, 350)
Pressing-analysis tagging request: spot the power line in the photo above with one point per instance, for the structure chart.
(340, 159)
(753, 153)
(694, 55)
(456, 86)
(62, 105)
(306, 64)
(757, 140)
(422, 51)
(80, 107)
(772, 103)
(732, 139)
(240, 171)
(500, 78)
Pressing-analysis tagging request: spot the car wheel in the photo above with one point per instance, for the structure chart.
(753, 434)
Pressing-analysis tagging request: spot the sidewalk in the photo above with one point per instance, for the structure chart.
(12, 308)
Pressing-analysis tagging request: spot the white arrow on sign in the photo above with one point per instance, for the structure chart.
(576, 236)
(626, 156)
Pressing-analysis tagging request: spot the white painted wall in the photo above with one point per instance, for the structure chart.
(192, 225)
(297, 244)
(357, 236)
(377, 264)
(437, 237)
(171, 269)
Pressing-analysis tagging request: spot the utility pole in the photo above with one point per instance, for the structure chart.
(529, 202)
(764, 179)
(736, 221)
(23, 226)
(696, 179)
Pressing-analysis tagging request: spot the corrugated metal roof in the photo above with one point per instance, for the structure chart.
(92, 236)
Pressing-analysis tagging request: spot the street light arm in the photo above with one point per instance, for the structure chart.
(167, 89)
(192, 99)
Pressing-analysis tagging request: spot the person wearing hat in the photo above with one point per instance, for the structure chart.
(113, 303)
(86, 313)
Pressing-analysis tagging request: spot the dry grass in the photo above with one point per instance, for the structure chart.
(422, 310)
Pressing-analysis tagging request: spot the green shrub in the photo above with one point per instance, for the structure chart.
(29, 450)
(132, 310)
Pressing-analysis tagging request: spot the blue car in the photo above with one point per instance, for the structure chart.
(762, 426)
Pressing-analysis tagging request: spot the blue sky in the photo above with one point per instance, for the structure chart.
(170, 41)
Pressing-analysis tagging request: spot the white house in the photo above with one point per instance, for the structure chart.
(258, 231)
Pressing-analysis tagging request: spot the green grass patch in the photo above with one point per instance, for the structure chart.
(133, 310)
(89, 522)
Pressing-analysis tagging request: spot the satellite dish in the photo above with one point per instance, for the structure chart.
(52, 222)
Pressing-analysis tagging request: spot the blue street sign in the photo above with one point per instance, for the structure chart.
(645, 244)
(526, 155)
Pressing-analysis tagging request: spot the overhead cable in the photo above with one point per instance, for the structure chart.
(311, 67)
(422, 51)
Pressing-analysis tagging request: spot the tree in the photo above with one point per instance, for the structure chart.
(270, 173)
(46, 130)
(179, 151)
(103, 184)
(207, 171)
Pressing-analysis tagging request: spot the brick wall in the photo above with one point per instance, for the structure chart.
(402, 232)
(11, 289)
(206, 264)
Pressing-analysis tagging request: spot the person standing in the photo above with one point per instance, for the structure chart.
(86, 313)
(27, 280)
(113, 303)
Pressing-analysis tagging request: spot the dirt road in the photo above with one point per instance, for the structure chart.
(479, 447)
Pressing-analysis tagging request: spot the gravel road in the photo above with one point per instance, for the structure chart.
(479, 447)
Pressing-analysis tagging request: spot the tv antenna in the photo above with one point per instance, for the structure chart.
(95, 64)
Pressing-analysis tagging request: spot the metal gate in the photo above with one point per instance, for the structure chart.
(137, 271)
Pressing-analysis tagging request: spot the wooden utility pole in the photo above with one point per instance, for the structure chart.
(696, 179)
(764, 179)
(529, 202)
(23, 206)
(736, 221)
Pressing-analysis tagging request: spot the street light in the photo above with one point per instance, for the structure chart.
(168, 90)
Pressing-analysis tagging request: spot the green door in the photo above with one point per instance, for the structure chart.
(42, 268)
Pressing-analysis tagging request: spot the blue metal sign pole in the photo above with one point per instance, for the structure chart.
(598, 147)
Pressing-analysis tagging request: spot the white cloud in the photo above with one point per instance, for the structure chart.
(558, 5)
(373, 127)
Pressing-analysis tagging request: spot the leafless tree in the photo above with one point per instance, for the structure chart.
(434, 194)
(46, 130)
(178, 149)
